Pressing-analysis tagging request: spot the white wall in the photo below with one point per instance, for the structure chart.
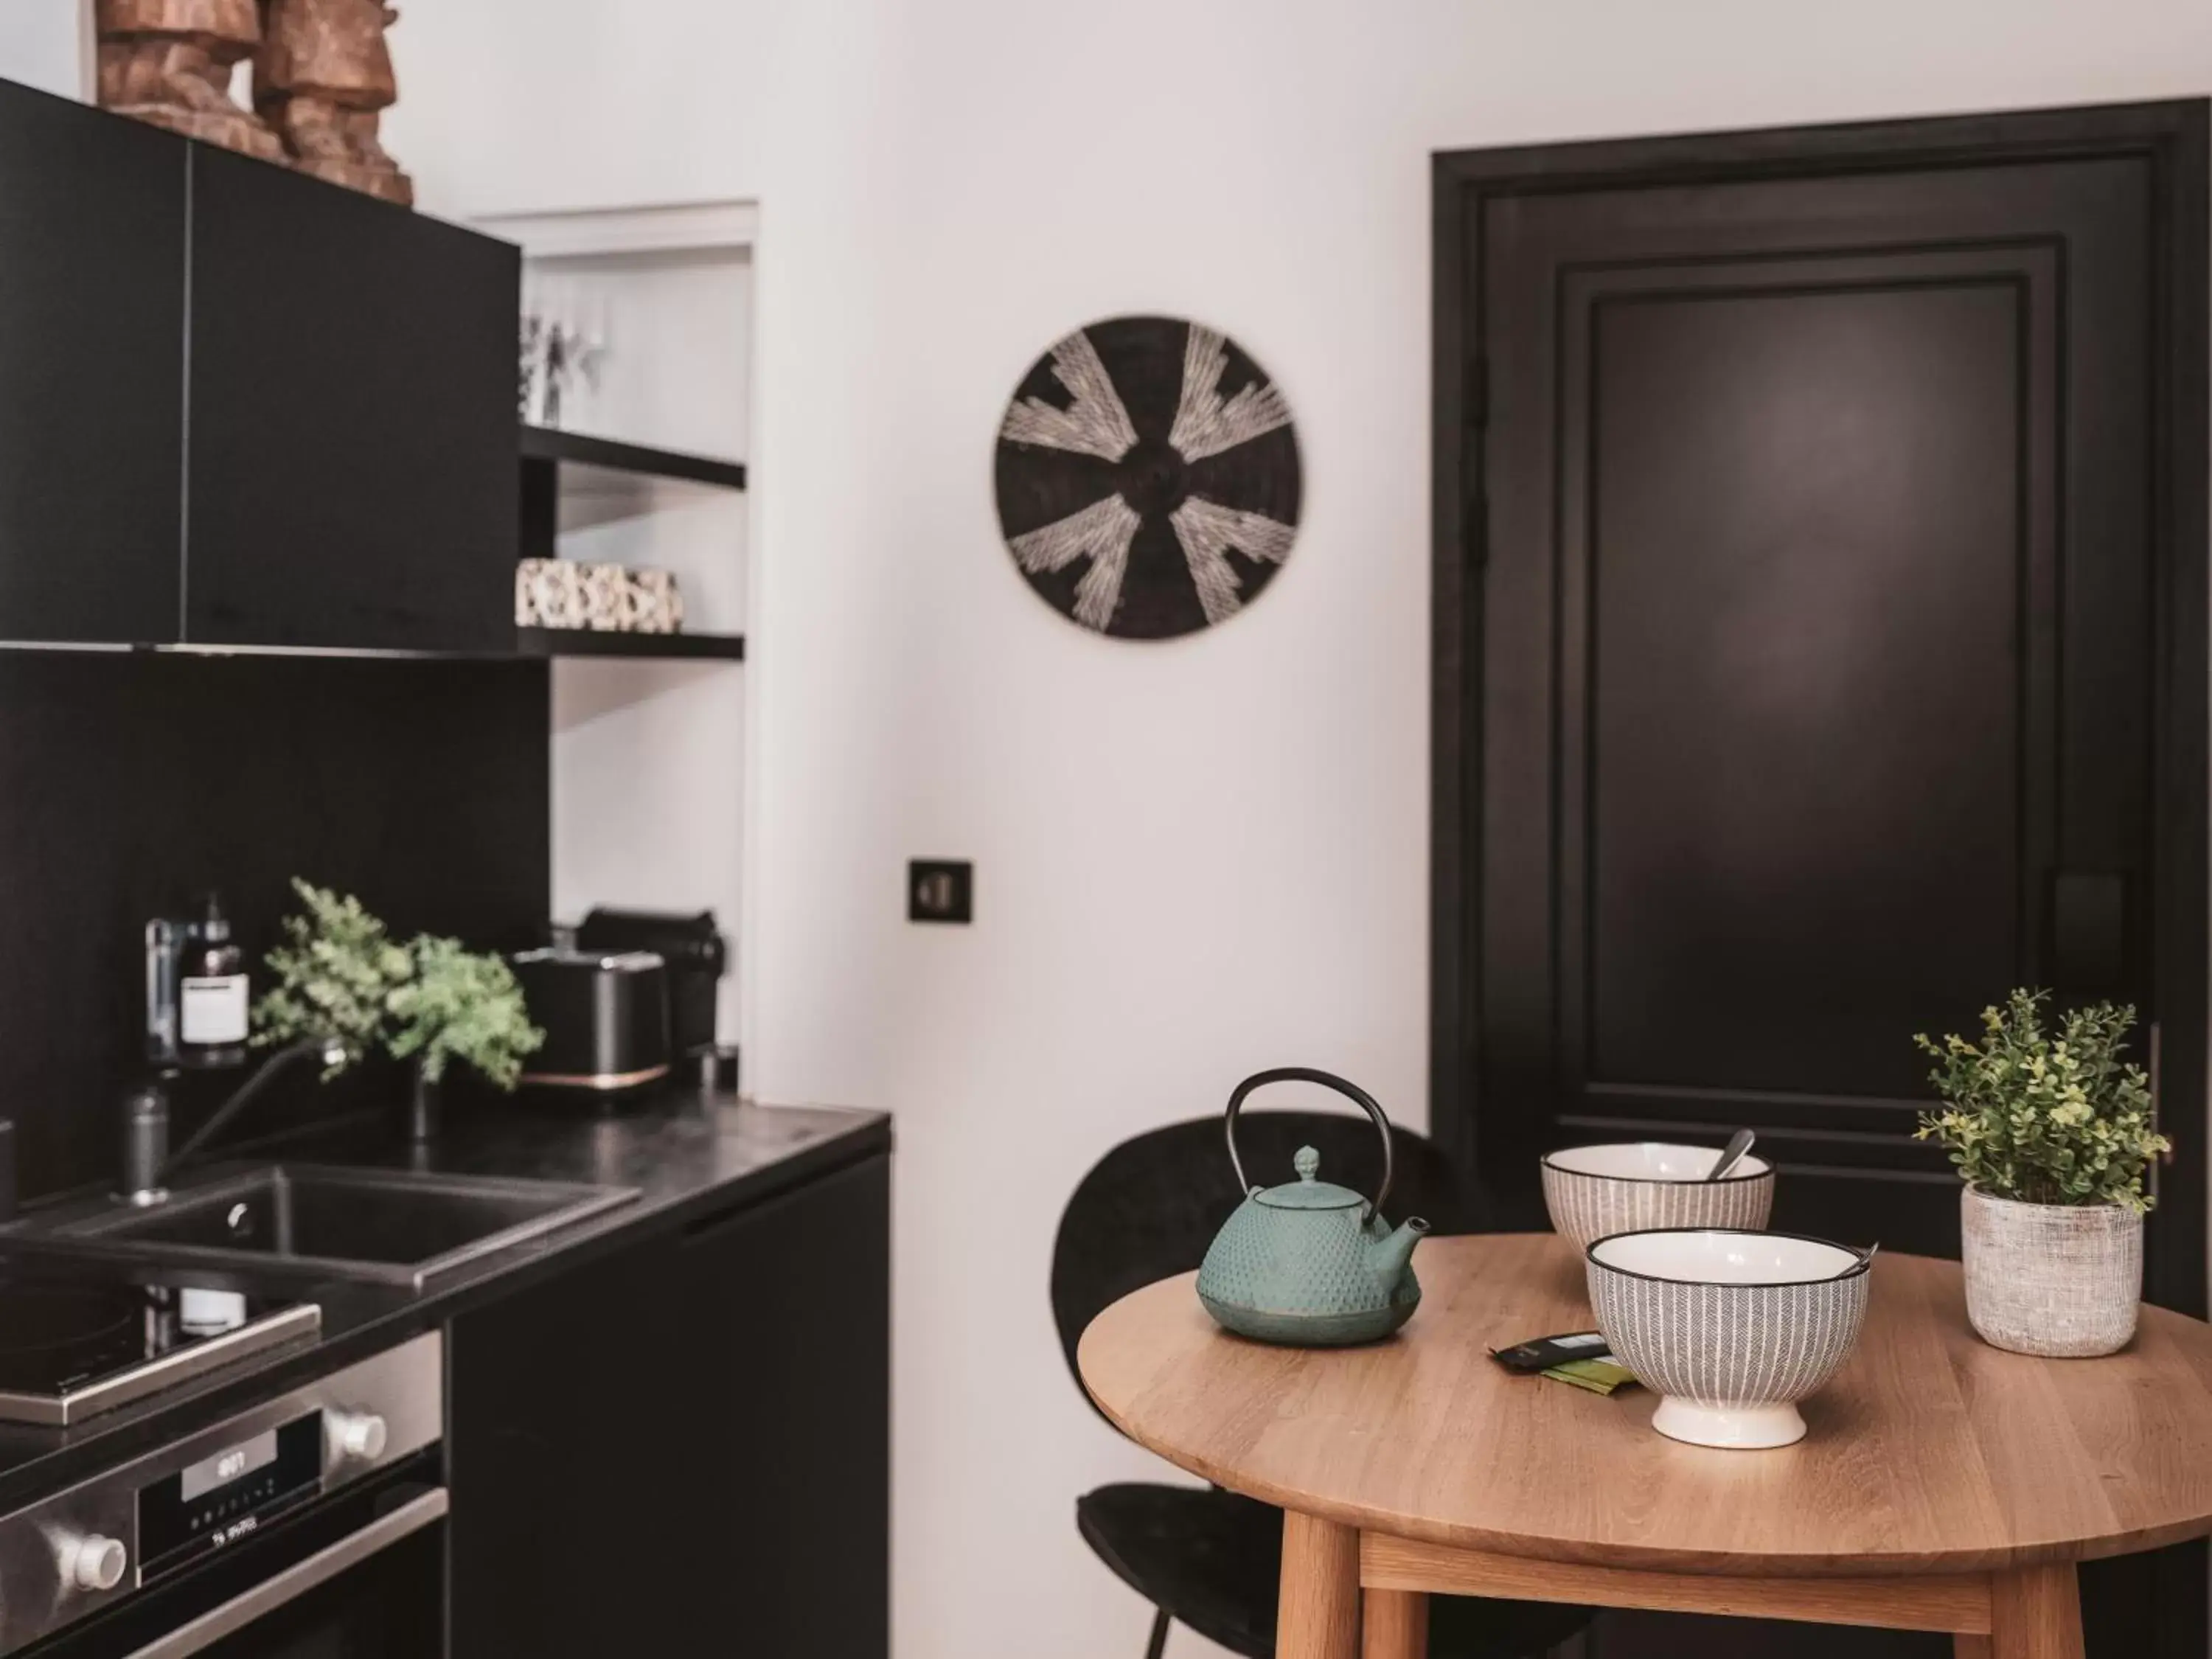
(48, 43)
(1196, 858)
(511, 105)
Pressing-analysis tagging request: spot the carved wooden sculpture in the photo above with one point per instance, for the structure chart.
(169, 61)
(322, 76)
(321, 79)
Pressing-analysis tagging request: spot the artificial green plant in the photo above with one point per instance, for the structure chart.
(335, 972)
(2046, 1118)
(460, 1005)
(340, 974)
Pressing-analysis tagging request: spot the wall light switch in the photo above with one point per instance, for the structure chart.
(941, 889)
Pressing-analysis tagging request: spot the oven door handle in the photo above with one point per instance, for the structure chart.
(297, 1580)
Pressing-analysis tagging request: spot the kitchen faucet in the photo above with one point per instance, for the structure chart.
(147, 1161)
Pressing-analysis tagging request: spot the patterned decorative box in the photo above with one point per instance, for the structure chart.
(611, 598)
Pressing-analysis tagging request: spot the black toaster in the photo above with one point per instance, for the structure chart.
(605, 1015)
(696, 954)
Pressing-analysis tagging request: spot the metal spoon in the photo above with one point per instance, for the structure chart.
(1739, 1144)
(1865, 1259)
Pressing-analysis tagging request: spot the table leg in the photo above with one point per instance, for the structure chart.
(1395, 1625)
(1970, 1647)
(1317, 1608)
(2035, 1612)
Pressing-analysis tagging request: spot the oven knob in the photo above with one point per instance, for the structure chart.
(360, 1435)
(93, 1562)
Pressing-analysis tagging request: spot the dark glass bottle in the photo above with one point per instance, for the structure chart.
(212, 991)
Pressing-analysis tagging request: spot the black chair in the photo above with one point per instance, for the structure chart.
(1207, 1556)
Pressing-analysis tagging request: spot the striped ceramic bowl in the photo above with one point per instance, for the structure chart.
(1731, 1330)
(1592, 1191)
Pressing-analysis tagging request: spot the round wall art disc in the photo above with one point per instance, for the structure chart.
(1148, 478)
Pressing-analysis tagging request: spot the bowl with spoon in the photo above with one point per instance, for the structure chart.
(1592, 1192)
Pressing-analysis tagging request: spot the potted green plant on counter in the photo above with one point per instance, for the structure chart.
(458, 1004)
(2054, 1132)
(333, 971)
(428, 1002)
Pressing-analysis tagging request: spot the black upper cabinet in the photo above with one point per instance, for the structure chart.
(92, 263)
(352, 449)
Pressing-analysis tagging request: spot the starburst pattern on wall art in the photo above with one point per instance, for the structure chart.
(1095, 423)
(1148, 478)
(1101, 532)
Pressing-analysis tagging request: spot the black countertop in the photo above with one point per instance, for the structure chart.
(689, 1156)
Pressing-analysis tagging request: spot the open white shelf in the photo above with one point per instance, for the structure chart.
(648, 468)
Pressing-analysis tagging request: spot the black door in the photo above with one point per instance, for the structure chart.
(352, 440)
(91, 367)
(1820, 614)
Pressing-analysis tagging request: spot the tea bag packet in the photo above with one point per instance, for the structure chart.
(1598, 1376)
(1541, 1353)
(1580, 1358)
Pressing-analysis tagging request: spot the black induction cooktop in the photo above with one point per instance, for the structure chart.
(73, 1345)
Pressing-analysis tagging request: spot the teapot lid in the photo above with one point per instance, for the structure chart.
(1307, 1192)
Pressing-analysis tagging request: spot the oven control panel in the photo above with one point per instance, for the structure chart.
(227, 1495)
(157, 1514)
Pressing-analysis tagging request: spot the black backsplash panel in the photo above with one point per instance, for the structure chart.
(132, 784)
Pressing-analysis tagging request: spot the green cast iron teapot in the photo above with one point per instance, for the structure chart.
(1311, 1264)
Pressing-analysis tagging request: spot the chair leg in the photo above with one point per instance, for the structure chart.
(1158, 1644)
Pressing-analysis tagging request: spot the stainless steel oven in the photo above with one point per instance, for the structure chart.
(310, 1526)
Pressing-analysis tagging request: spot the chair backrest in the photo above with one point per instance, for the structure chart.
(1150, 1206)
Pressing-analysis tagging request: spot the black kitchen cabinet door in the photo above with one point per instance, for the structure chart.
(787, 1340)
(684, 1450)
(567, 1458)
(92, 295)
(352, 451)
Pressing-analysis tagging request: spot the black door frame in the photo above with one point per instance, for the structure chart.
(2173, 136)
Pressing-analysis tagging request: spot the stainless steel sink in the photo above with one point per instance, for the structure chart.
(389, 1226)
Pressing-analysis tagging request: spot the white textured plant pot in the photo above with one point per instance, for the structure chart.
(2059, 1280)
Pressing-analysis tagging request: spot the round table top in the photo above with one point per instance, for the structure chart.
(1929, 1452)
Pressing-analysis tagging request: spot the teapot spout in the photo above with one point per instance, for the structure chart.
(1389, 1254)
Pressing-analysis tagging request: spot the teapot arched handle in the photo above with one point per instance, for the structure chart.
(1351, 1091)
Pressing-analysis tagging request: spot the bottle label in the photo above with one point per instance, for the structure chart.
(211, 1011)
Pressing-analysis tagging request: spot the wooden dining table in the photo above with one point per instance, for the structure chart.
(1942, 1485)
